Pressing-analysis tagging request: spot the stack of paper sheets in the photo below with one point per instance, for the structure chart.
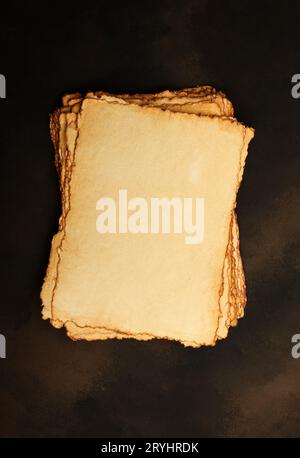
(143, 284)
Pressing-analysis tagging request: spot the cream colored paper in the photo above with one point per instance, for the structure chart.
(95, 293)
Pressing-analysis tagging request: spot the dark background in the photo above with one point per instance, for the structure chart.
(248, 385)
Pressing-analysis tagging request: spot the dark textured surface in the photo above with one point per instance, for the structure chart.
(248, 385)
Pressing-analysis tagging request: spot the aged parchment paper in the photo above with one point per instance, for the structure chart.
(172, 143)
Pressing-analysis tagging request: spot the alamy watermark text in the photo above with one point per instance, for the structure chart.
(157, 215)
